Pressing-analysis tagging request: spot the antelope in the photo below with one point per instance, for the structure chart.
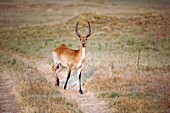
(65, 57)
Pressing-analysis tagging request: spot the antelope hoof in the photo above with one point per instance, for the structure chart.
(57, 84)
(80, 91)
(64, 87)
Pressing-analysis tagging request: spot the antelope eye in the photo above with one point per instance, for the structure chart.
(80, 39)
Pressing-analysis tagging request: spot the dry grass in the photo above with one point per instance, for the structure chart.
(138, 93)
(118, 79)
(33, 93)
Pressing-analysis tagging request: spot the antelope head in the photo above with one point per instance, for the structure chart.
(83, 39)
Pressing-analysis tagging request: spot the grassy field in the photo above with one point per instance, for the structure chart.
(128, 55)
(33, 93)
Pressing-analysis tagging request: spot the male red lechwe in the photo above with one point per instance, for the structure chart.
(73, 59)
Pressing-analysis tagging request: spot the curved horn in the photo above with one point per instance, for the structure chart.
(89, 30)
(78, 34)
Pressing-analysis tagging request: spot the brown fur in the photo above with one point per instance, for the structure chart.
(72, 57)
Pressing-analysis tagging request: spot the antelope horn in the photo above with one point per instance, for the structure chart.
(89, 30)
(78, 34)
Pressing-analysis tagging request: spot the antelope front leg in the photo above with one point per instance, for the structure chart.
(69, 72)
(79, 75)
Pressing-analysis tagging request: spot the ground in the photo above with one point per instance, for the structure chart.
(127, 62)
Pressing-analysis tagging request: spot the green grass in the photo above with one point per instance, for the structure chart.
(109, 95)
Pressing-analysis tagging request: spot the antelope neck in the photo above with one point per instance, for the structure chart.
(82, 53)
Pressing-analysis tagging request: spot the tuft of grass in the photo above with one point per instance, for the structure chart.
(134, 95)
(130, 41)
(108, 95)
(13, 62)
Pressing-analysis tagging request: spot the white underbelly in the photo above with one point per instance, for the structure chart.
(64, 64)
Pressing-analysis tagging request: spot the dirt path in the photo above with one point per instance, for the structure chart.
(7, 104)
(87, 101)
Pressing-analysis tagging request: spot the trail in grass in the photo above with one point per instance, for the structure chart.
(87, 101)
(7, 104)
